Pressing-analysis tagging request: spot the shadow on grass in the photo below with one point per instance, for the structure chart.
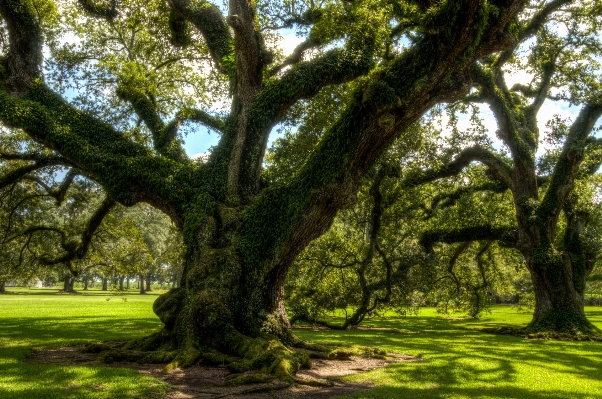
(461, 362)
(52, 331)
(27, 381)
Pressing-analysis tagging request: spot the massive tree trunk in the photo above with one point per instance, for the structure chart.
(105, 284)
(558, 302)
(2, 286)
(121, 278)
(85, 284)
(559, 276)
(225, 286)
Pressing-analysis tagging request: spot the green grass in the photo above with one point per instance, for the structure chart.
(462, 363)
(43, 319)
(459, 362)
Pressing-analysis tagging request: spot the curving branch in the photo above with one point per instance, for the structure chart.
(59, 194)
(200, 116)
(505, 235)
(445, 200)
(208, 19)
(497, 168)
(541, 92)
(164, 136)
(531, 28)
(77, 250)
(21, 172)
(521, 140)
(567, 166)
(303, 80)
(294, 57)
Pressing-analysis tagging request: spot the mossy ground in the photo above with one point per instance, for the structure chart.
(459, 361)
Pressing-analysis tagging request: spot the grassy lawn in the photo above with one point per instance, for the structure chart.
(43, 319)
(462, 363)
(459, 362)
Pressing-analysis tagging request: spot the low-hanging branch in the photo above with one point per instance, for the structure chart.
(19, 173)
(505, 235)
(70, 250)
(59, 194)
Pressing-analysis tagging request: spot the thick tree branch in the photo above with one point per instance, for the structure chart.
(567, 166)
(295, 57)
(303, 80)
(408, 86)
(103, 154)
(106, 11)
(210, 22)
(200, 116)
(504, 235)
(498, 169)
(164, 136)
(25, 40)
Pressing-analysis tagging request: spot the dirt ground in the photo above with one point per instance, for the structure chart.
(201, 381)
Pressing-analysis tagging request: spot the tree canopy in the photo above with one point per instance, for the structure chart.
(108, 89)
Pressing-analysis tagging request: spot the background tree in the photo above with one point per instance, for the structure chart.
(544, 192)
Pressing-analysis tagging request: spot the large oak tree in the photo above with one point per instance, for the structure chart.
(241, 235)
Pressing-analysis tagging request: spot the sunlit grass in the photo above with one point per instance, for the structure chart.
(459, 361)
(36, 319)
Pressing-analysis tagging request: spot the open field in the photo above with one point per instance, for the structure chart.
(459, 362)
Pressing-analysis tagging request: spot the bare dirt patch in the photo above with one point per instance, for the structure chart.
(202, 381)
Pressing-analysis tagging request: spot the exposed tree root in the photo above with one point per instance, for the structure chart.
(234, 380)
(528, 333)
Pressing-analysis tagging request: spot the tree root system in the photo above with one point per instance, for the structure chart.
(212, 378)
(543, 335)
